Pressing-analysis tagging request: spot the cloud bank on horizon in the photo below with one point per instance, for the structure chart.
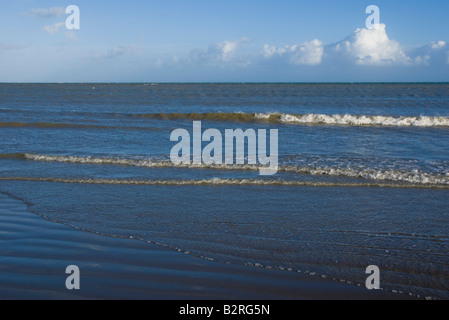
(365, 47)
(368, 48)
(364, 55)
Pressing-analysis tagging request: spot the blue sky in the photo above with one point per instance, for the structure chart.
(223, 41)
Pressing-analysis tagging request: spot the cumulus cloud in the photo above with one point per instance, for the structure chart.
(51, 29)
(308, 53)
(47, 13)
(432, 53)
(364, 47)
(438, 44)
(226, 50)
(220, 53)
(372, 47)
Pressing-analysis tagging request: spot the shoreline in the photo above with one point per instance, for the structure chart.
(34, 253)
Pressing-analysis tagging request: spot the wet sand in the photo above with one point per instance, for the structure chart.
(34, 254)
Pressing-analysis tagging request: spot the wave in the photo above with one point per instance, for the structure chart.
(268, 118)
(224, 182)
(307, 119)
(57, 125)
(13, 156)
(378, 174)
(414, 177)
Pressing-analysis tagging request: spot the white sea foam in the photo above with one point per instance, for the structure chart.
(408, 176)
(414, 176)
(309, 119)
(356, 120)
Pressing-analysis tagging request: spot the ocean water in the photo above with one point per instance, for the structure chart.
(363, 173)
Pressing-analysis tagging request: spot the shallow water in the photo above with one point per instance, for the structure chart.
(363, 176)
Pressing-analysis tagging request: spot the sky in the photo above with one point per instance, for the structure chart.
(224, 41)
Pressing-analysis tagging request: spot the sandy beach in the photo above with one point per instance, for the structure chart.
(35, 252)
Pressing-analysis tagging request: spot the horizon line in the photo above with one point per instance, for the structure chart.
(231, 82)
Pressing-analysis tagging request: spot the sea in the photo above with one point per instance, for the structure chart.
(362, 178)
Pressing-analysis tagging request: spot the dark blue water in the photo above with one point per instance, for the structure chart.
(363, 173)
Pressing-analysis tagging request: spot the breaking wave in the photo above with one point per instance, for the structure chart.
(415, 177)
(310, 119)
(307, 119)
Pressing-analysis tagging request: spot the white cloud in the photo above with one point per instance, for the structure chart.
(47, 13)
(372, 47)
(221, 53)
(308, 53)
(53, 28)
(438, 44)
(432, 53)
(269, 51)
(227, 49)
(364, 47)
(424, 59)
